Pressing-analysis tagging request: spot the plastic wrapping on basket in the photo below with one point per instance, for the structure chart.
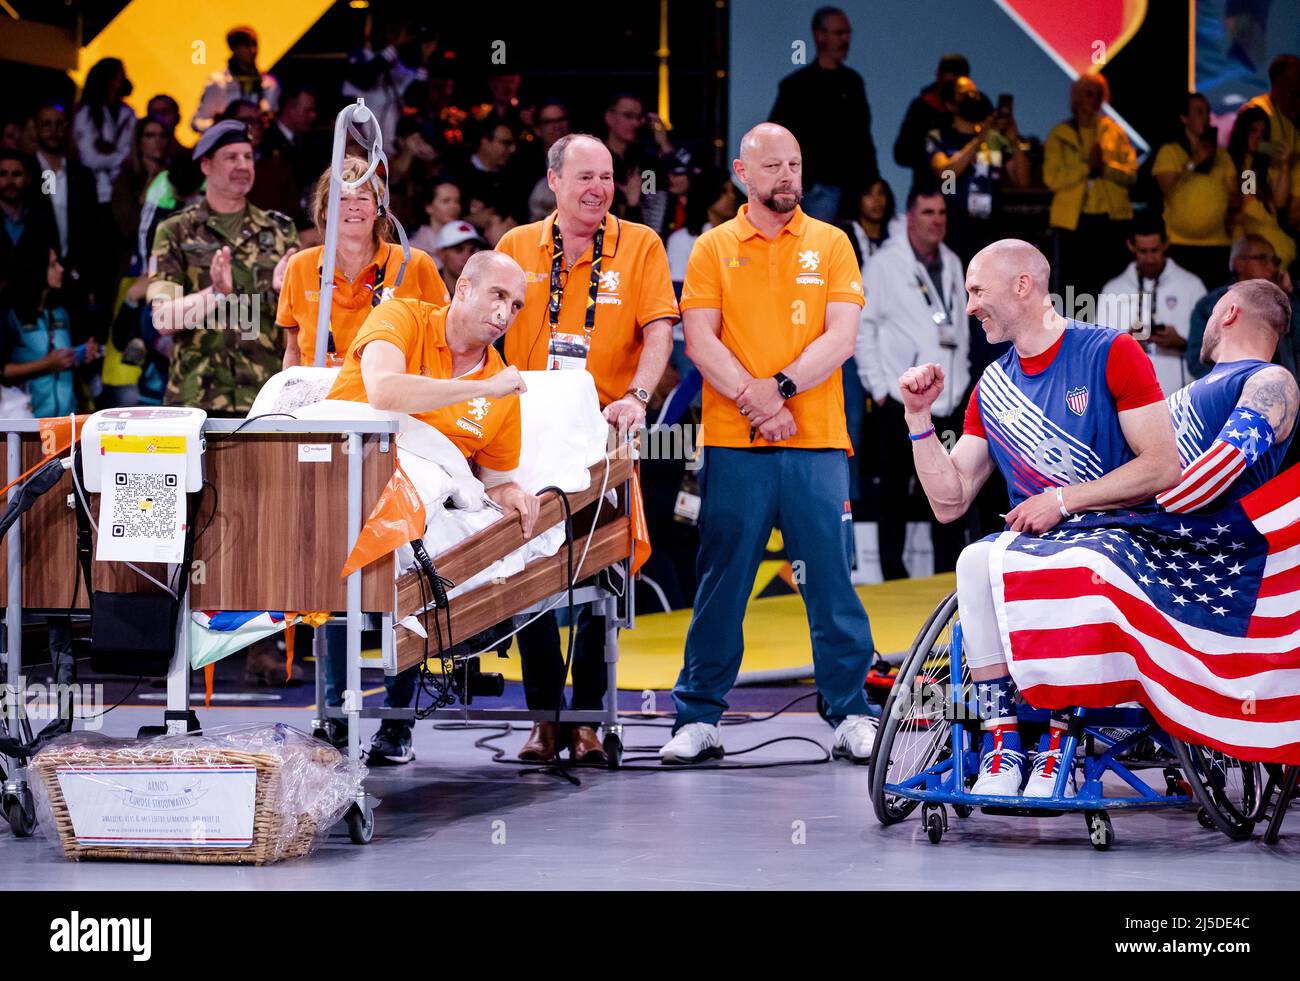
(185, 798)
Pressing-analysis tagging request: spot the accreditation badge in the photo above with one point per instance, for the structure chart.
(567, 352)
(947, 330)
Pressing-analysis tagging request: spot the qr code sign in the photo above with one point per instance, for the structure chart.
(145, 506)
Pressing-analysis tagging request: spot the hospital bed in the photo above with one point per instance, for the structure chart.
(274, 535)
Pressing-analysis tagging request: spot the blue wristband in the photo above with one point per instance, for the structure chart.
(916, 437)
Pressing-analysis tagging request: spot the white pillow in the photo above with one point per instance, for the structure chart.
(292, 389)
(563, 430)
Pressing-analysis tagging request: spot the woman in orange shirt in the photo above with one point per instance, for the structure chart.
(366, 265)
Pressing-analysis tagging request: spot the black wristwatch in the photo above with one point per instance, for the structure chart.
(785, 385)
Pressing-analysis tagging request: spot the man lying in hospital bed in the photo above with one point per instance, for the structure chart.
(474, 434)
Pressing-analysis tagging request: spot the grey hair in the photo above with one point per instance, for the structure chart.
(555, 155)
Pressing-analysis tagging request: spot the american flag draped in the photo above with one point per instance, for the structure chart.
(1195, 616)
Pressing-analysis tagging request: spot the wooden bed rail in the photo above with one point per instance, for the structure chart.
(492, 602)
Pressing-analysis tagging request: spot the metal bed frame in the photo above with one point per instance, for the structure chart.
(179, 716)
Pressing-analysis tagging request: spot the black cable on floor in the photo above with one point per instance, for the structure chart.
(498, 731)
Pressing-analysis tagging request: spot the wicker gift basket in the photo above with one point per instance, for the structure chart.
(295, 786)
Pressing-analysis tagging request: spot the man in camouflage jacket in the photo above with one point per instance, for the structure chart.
(215, 272)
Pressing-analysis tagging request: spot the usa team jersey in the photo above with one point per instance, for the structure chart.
(1200, 411)
(1053, 419)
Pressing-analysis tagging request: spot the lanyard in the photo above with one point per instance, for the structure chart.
(1155, 292)
(925, 292)
(376, 287)
(557, 285)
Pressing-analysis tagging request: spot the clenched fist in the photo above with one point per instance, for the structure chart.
(920, 386)
(506, 382)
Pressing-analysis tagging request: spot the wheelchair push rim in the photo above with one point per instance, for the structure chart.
(916, 737)
(1228, 789)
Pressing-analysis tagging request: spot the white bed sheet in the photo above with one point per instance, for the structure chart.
(563, 435)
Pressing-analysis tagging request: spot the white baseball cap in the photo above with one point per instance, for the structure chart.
(456, 233)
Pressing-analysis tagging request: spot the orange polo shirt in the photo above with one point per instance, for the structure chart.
(485, 430)
(300, 294)
(635, 289)
(773, 297)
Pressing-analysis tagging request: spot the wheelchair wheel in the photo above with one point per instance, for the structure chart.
(914, 737)
(1227, 789)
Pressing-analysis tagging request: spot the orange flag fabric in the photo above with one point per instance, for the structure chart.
(640, 532)
(398, 517)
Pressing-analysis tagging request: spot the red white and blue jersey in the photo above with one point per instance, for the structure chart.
(1201, 412)
(1053, 419)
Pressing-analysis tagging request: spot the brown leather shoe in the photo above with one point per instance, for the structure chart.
(540, 747)
(584, 747)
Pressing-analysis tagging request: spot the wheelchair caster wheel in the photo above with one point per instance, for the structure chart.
(361, 824)
(1100, 831)
(20, 812)
(935, 819)
(1204, 819)
(963, 810)
(613, 747)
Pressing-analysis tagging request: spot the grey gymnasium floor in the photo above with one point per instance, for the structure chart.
(455, 820)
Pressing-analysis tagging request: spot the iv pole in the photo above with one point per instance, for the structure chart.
(348, 121)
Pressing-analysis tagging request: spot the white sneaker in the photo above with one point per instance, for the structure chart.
(855, 738)
(1043, 772)
(693, 743)
(1001, 773)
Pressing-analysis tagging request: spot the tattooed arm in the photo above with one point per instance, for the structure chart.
(1273, 393)
(1264, 415)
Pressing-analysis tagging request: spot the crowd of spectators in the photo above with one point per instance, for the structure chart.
(84, 187)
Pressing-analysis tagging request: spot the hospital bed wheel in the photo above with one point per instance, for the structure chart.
(21, 813)
(613, 746)
(915, 736)
(935, 819)
(1100, 831)
(1227, 789)
(361, 824)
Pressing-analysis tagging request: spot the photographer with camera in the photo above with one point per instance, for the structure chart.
(1153, 300)
(971, 157)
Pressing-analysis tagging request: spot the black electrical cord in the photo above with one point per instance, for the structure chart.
(176, 576)
(444, 687)
(499, 755)
(264, 415)
(560, 767)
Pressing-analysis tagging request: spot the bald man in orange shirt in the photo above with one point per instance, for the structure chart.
(770, 308)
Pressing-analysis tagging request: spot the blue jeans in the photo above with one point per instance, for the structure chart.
(399, 689)
(747, 492)
(855, 417)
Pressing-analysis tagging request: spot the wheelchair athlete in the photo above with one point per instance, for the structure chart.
(1075, 420)
(1234, 425)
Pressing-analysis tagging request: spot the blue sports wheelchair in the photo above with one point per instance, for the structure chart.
(928, 754)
